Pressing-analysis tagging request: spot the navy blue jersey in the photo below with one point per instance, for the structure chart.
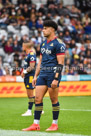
(30, 58)
(49, 52)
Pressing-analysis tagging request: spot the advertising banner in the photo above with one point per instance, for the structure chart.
(12, 90)
(75, 88)
(68, 88)
(7, 78)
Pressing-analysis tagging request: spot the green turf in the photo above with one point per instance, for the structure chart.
(70, 122)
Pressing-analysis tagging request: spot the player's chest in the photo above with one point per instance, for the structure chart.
(48, 49)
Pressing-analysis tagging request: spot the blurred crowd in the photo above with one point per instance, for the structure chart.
(21, 20)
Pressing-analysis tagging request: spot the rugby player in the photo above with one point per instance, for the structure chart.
(48, 75)
(28, 73)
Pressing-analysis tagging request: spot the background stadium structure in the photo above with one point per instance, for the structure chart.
(25, 21)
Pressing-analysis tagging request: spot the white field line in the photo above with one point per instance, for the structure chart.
(75, 110)
(32, 133)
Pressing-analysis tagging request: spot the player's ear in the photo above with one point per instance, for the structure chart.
(52, 29)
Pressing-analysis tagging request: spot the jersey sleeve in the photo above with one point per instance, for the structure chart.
(60, 48)
(41, 47)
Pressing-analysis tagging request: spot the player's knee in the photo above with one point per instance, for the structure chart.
(38, 100)
(53, 99)
(30, 95)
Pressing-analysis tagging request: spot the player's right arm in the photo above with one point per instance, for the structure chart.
(37, 72)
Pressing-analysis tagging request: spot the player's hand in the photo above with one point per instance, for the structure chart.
(22, 75)
(54, 84)
(34, 81)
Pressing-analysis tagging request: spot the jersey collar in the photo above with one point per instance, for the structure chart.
(51, 40)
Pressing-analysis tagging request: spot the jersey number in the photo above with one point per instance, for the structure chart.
(30, 79)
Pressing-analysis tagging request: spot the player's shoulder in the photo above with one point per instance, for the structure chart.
(60, 41)
(31, 53)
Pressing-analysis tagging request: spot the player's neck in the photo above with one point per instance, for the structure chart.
(51, 37)
(28, 50)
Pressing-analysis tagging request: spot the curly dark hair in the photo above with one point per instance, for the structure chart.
(50, 23)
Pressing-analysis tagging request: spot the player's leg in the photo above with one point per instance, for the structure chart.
(40, 92)
(30, 95)
(53, 93)
(31, 100)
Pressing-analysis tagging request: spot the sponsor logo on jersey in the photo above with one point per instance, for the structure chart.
(43, 50)
(43, 44)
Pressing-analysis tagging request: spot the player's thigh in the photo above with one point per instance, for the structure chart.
(53, 93)
(39, 93)
(30, 92)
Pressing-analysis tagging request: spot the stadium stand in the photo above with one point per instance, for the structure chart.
(22, 20)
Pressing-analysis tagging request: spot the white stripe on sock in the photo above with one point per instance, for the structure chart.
(36, 121)
(55, 121)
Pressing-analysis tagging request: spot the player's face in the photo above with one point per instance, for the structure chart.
(47, 31)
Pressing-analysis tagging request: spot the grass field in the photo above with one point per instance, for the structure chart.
(75, 116)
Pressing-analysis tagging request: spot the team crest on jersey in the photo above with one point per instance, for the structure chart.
(51, 44)
(43, 44)
(31, 53)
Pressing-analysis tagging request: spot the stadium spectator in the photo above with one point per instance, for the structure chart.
(33, 22)
(67, 38)
(88, 69)
(86, 20)
(1, 67)
(6, 71)
(26, 12)
(17, 68)
(22, 20)
(1, 71)
(61, 21)
(16, 47)
(8, 48)
(1, 4)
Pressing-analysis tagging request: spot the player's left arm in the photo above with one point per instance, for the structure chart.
(29, 69)
(60, 54)
(32, 63)
(60, 59)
